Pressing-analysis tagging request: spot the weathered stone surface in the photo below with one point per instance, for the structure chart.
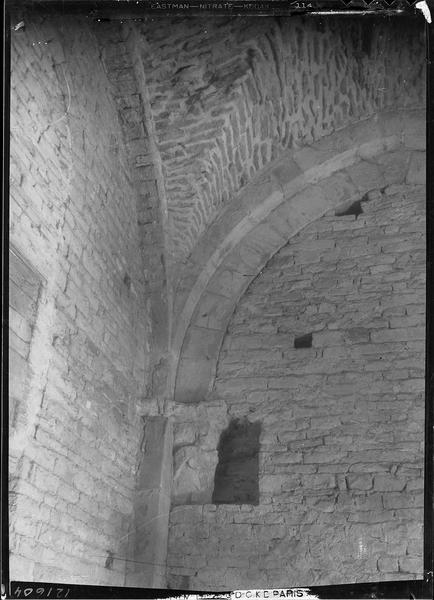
(336, 461)
(210, 150)
(360, 482)
(104, 130)
(213, 311)
(74, 221)
(193, 475)
(202, 342)
(417, 171)
(149, 527)
(184, 434)
(323, 187)
(199, 370)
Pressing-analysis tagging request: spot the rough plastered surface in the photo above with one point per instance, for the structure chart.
(77, 291)
(341, 449)
(229, 95)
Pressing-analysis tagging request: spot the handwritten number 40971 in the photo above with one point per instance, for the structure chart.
(42, 592)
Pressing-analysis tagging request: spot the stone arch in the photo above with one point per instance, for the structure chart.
(293, 191)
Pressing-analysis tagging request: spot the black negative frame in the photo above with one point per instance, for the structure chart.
(126, 9)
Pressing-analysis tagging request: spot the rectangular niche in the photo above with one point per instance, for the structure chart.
(236, 478)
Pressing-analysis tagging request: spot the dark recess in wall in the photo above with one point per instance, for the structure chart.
(236, 476)
(303, 341)
(353, 209)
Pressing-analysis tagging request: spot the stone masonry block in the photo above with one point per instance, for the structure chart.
(285, 173)
(338, 188)
(193, 379)
(202, 343)
(360, 482)
(364, 172)
(213, 311)
(228, 282)
(388, 483)
(417, 170)
(411, 565)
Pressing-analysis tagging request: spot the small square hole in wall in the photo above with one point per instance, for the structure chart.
(355, 208)
(236, 478)
(303, 341)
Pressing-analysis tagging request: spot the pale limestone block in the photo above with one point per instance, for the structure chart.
(417, 170)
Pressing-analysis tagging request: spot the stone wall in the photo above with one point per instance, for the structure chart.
(120, 55)
(326, 351)
(79, 323)
(125, 151)
(293, 191)
(230, 95)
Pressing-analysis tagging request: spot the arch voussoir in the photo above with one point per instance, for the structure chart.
(295, 191)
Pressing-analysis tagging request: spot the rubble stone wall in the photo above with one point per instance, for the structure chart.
(230, 95)
(326, 351)
(79, 323)
(127, 144)
(295, 190)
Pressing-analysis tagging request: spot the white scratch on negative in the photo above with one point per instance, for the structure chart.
(423, 6)
(68, 106)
